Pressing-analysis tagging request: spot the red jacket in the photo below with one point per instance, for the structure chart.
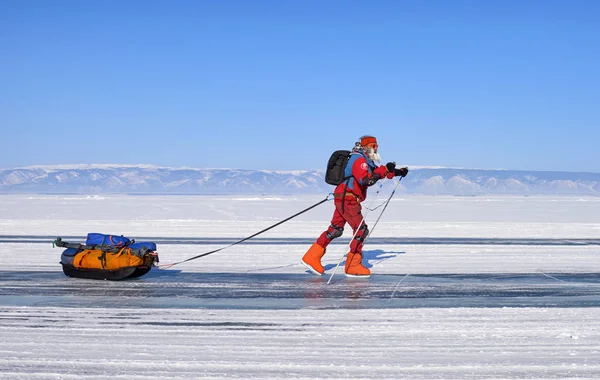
(363, 172)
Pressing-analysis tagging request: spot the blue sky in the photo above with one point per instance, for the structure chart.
(281, 84)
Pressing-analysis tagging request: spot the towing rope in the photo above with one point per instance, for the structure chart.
(249, 237)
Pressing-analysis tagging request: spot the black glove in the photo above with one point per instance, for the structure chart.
(401, 172)
(391, 166)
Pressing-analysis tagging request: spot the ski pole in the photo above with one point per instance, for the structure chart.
(361, 222)
(384, 207)
(356, 231)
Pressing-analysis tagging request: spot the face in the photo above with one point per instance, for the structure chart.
(372, 147)
(371, 150)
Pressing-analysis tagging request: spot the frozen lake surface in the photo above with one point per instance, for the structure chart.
(462, 287)
(175, 289)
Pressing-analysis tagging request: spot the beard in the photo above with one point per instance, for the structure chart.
(373, 155)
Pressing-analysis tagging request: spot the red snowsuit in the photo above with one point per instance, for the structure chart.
(347, 198)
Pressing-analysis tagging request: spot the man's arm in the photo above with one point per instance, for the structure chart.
(360, 171)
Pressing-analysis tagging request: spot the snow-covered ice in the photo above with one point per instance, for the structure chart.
(431, 310)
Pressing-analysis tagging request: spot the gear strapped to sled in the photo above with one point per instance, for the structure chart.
(109, 257)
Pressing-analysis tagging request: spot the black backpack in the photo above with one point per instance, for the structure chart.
(336, 166)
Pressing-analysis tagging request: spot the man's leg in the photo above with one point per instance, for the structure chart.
(353, 215)
(335, 229)
(312, 258)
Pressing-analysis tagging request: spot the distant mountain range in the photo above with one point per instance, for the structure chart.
(146, 179)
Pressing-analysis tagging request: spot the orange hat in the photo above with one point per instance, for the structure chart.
(366, 140)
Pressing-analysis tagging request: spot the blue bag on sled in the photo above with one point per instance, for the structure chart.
(102, 239)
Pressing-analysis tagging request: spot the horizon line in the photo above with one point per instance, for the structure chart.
(153, 166)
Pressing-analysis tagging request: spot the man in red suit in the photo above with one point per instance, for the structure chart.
(362, 171)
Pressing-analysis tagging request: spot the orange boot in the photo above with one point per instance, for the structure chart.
(354, 267)
(312, 259)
